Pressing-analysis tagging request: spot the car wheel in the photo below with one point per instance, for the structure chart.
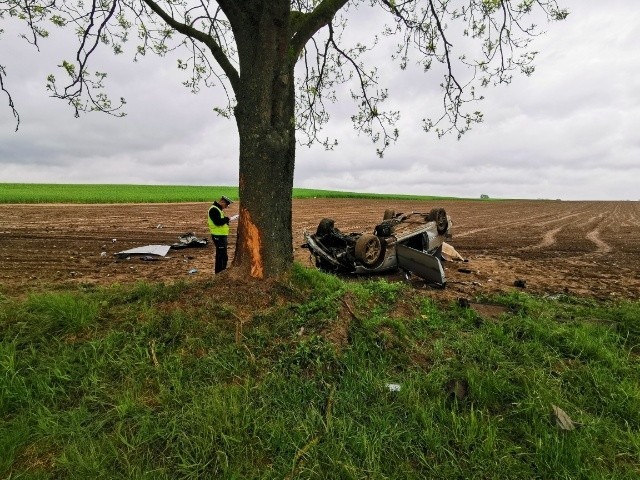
(388, 214)
(325, 227)
(439, 216)
(369, 250)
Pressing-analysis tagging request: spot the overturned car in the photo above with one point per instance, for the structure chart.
(409, 241)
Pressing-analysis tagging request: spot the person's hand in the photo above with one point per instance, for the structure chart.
(233, 217)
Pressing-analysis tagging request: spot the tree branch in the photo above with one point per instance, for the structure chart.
(216, 50)
(310, 23)
(3, 73)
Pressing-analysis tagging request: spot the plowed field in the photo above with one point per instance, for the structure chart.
(582, 248)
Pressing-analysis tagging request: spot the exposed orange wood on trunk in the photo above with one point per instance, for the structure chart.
(253, 242)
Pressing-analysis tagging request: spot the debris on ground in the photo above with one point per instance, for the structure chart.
(160, 250)
(562, 420)
(189, 240)
(450, 254)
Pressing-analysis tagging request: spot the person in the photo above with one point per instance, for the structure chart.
(219, 228)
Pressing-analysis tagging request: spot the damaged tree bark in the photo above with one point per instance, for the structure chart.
(266, 125)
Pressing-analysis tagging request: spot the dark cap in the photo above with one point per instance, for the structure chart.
(226, 199)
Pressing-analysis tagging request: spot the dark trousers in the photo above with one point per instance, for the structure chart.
(220, 242)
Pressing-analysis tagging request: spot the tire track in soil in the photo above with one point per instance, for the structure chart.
(601, 246)
(499, 226)
(593, 235)
(602, 221)
(549, 239)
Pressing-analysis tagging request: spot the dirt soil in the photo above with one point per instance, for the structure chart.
(547, 247)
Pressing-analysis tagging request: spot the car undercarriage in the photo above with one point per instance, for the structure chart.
(411, 242)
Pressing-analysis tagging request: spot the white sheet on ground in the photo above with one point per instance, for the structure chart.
(450, 254)
(161, 250)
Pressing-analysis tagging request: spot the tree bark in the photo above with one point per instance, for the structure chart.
(265, 118)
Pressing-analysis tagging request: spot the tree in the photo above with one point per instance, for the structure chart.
(279, 61)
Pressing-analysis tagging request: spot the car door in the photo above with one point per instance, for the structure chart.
(421, 264)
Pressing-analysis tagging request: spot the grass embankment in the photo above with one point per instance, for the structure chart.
(291, 380)
(89, 193)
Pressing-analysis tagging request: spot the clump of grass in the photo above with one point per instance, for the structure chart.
(155, 381)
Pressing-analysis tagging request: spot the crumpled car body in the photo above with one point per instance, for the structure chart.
(409, 241)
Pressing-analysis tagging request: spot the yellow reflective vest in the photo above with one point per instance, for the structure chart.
(217, 229)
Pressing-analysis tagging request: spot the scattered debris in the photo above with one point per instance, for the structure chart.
(103, 254)
(159, 225)
(189, 240)
(520, 283)
(562, 420)
(192, 271)
(450, 254)
(114, 240)
(464, 270)
(149, 258)
(160, 250)
(393, 387)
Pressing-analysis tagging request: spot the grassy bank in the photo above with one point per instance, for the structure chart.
(79, 193)
(296, 380)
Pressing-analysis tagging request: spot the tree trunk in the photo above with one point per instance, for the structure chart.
(266, 126)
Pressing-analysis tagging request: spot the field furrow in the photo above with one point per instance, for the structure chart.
(586, 248)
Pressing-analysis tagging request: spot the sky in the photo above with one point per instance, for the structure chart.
(570, 131)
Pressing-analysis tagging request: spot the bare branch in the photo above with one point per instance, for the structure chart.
(214, 47)
(309, 24)
(16, 115)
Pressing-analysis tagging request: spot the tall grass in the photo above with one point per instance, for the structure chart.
(156, 381)
(97, 193)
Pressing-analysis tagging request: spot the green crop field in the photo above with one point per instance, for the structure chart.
(111, 193)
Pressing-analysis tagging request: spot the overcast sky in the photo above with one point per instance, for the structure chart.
(570, 131)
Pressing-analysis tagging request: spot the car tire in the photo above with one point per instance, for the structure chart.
(369, 250)
(325, 227)
(439, 216)
(388, 214)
